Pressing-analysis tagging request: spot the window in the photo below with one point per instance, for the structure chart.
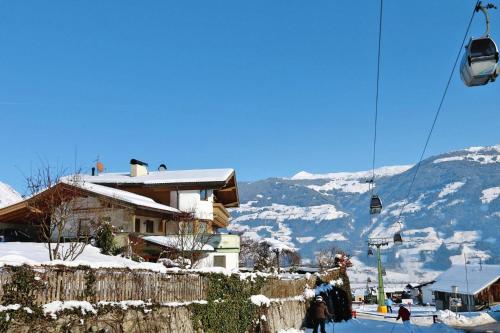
(160, 226)
(137, 225)
(150, 226)
(220, 261)
(204, 195)
(83, 227)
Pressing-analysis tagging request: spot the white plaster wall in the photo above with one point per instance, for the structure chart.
(189, 201)
(232, 260)
(427, 296)
(205, 262)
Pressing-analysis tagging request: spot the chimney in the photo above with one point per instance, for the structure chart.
(138, 168)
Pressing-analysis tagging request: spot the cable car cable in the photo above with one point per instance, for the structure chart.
(375, 202)
(438, 111)
(377, 92)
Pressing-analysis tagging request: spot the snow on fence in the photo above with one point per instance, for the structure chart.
(63, 283)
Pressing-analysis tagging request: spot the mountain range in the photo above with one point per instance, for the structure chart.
(451, 215)
(452, 210)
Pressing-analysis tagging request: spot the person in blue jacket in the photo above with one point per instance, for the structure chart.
(388, 303)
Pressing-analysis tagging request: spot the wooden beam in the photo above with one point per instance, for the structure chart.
(227, 189)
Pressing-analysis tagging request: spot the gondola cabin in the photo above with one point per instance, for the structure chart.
(398, 240)
(480, 62)
(375, 204)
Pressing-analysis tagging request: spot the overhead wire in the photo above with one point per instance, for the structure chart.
(377, 92)
(438, 111)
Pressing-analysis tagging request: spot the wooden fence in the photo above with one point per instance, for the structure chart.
(114, 285)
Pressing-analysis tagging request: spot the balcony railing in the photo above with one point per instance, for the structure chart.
(221, 215)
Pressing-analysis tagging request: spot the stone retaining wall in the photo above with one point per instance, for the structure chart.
(281, 315)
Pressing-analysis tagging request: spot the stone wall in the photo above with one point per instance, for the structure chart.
(159, 320)
(285, 314)
(281, 315)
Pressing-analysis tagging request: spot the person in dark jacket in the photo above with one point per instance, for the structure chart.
(405, 315)
(320, 314)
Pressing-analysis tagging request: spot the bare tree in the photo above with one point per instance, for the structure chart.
(263, 256)
(332, 257)
(54, 204)
(191, 242)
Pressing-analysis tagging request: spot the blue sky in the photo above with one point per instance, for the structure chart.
(267, 87)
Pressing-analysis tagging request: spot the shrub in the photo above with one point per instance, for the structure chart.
(105, 238)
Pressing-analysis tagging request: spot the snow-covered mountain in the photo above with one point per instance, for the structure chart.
(8, 195)
(454, 208)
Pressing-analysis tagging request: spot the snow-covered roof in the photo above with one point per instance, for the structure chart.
(164, 177)
(189, 242)
(125, 196)
(478, 278)
(8, 196)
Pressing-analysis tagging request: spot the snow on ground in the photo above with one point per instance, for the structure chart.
(277, 245)
(349, 186)
(456, 202)
(53, 308)
(16, 253)
(282, 213)
(349, 182)
(188, 242)
(465, 319)
(410, 207)
(375, 325)
(260, 300)
(481, 155)
(490, 194)
(462, 237)
(473, 255)
(303, 240)
(450, 188)
(380, 172)
(332, 237)
(8, 195)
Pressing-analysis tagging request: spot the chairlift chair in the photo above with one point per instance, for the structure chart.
(480, 61)
(384, 273)
(375, 204)
(370, 252)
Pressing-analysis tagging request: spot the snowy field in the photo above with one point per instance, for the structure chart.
(364, 325)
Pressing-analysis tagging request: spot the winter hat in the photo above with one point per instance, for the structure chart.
(319, 298)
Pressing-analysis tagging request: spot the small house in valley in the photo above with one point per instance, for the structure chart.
(473, 287)
(177, 211)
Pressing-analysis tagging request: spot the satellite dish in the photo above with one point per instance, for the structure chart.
(100, 166)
